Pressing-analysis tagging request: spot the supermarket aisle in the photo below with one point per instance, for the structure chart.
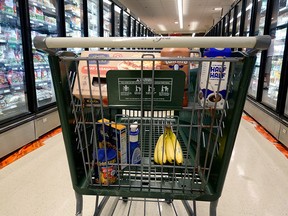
(257, 183)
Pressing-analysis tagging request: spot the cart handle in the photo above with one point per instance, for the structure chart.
(257, 42)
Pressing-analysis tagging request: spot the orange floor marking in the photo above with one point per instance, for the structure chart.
(282, 148)
(27, 148)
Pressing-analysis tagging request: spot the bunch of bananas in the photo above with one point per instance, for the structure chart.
(168, 148)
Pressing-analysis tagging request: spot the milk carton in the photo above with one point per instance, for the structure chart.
(213, 79)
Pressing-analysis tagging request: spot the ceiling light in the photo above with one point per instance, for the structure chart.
(180, 13)
(176, 22)
(218, 9)
(193, 35)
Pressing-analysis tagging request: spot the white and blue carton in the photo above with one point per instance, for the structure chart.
(214, 79)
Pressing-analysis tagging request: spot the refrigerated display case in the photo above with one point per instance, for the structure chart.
(238, 20)
(132, 27)
(117, 11)
(275, 54)
(43, 22)
(231, 22)
(125, 24)
(286, 105)
(259, 30)
(107, 18)
(247, 21)
(74, 20)
(137, 29)
(13, 98)
(93, 18)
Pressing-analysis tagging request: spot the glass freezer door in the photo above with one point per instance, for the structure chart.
(13, 100)
(93, 18)
(74, 20)
(43, 23)
(125, 24)
(238, 21)
(117, 11)
(275, 54)
(259, 30)
(247, 18)
(107, 18)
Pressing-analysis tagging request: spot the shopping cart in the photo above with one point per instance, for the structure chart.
(97, 118)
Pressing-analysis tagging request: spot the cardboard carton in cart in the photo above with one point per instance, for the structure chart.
(105, 61)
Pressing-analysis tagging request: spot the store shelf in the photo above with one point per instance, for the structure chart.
(46, 10)
(43, 27)
(9, 19)
(70, 2)
(69, 14)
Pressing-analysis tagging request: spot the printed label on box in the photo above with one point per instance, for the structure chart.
(213, 75)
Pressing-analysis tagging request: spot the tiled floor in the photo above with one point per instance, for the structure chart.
(39, 184)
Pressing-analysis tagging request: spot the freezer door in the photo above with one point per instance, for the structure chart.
(93, 18)
(275, 54)
(43, 23)
(13, 98)
(74, 20)
(259, 30)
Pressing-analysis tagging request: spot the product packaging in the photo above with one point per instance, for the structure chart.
(112, 135)
(105, 170)
(210, 93)
(96, 83)
(177, 53)
(134, 151)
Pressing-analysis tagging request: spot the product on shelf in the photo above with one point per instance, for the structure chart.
(10, 56)
(44, 74)
(43, 93)
(36, 13)
(15, 77)
(38, 76)
(39, 58)
(9, 6)
(3, 80)
(49, 4)
(50, 20)
(12, 98)
(12, 35)
(92, 8)
(2, 102)
(75, 22)
(2, 34)
(2, 53)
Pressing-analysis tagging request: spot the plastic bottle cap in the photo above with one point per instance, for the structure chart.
(133, 127)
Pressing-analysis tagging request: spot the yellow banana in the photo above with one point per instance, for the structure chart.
(178, 151)
(169, 148)
(160, 151)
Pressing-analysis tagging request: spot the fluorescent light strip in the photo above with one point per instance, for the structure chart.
(180, 13)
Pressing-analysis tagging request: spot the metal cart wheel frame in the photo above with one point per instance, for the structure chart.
(206, 125)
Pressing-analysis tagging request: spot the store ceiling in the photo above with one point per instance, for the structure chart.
(160, 15)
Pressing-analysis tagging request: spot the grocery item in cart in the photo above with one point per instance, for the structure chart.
(134, 151)
(177, 53)
(214, 79)
(105, 63)
(113, 135)
(105, 169)
(168, 148)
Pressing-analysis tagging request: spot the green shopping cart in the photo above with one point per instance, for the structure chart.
(104, 94)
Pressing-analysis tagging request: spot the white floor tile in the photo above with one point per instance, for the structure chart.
(256, 184)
